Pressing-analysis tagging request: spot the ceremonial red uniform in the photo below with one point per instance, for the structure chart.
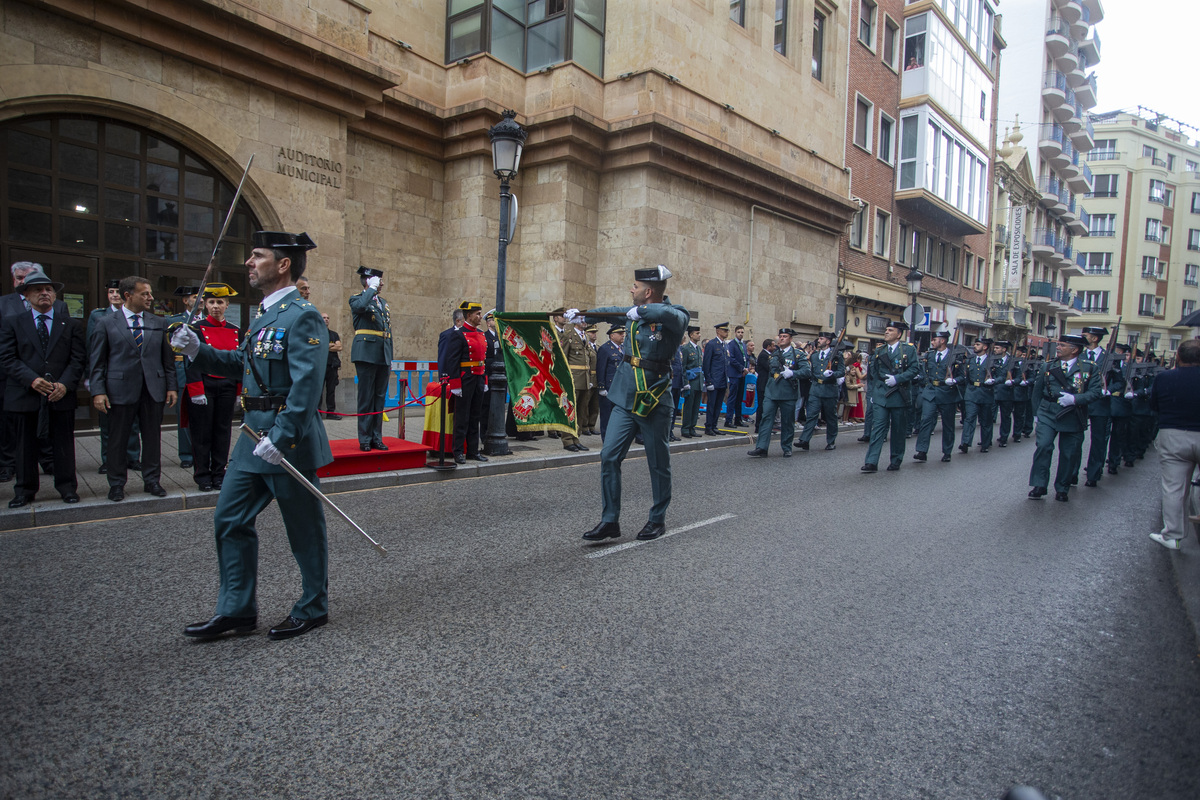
(461, 353)
(210, 424)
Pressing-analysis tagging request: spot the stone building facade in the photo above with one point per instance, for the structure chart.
(710, 144)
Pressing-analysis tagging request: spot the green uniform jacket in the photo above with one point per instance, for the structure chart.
(372, 328)
(1083, 381)
(291, 365)
(933, 378)
(1005, 369)
(654, 337)
(693, 364)
(822, 386)
(777, 387)
(180, 366)
(906, 366)
(977, 375)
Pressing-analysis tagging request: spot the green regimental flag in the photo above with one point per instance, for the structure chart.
(540, 386)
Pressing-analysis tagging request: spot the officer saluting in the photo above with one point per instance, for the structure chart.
(1063, 391)
(642, 401)
(281, 364)
(371, 353)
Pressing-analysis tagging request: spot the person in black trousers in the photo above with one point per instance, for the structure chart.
(333, 364)
(212, 397)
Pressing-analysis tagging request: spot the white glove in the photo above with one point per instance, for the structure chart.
(827, 373)
(373, 283)
(710, 388)
(787, 372)
(951, 381)
(570, 314)
(1105, 393)
(456, 392)
(485, 387)
(1008, 382)
(890, 380)
(1024, 383)
(633, 313)
(268, 452)
(989, 381)
(185, 341)
(604, 392)
(841, 381)
(200, 399)
(1066, 399)
(1129, 395)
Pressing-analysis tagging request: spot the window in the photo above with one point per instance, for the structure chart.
(979, 267)
(902, 248)
(930, 255)
(1148, 305)
(887, 127)
(1097, 263)
(1104, 186)
(1158, 191)
(1154, 337)
(883, 233)
(1095, 302)
(1154, 230)
(1193, 239)
(1105, 150)
(1174, 340)
(528, 34)
(818, 45)
(1149, 152)
(1103, 225)
(1188, 307)
(1190, 166)
(781, 13)
(1196, 202)
(866, 23)
(1151, 267)
(891, 43)
(737, 11)
(1170, 162)
(915, 250)
(1191, 274)
(952, 265)
(967, 260)
(856, 228)
(914, 42)
(908, 151)
(863, 122)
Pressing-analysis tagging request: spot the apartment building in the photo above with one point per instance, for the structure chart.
(1142, 256)
(935, 147)
(1048, 85)
(125, 126)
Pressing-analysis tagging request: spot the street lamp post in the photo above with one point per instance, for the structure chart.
(1051, 328)
(914, 278)
(508, 140)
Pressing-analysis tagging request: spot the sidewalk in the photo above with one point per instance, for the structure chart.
(182, 494)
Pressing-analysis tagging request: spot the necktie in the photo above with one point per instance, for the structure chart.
(43, 330)
(1092, 355)
(939, 358)
(137, 330)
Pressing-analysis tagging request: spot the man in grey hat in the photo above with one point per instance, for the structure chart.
(43, 357)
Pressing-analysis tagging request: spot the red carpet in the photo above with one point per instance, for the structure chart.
(348, 459)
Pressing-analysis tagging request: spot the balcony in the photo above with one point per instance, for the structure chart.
(1193, 245)
(1070, 10)
(1058, 36)
(1070, 170)
(1079, 27)
(1054, 194)
(1154, 236)
(1066, 259)
(1040, 292)
(1083, 182)
(1048, 246)
(1084, 139)
(1074, 122)
(1086, 93)
(1103, 155)
(1080, 226)
(1094, 9)
(1002, 242)
(1074, 306)
(1090, 49)
(1051, 141)
(1071, 214)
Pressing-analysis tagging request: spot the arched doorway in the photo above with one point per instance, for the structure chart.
(93, 198)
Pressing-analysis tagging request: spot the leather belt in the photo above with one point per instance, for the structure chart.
(470, 363)
(821, 381)
(373, 333)
(645, 363)
(936, 383)
(265, 402)
(977, 383)
(179, 358)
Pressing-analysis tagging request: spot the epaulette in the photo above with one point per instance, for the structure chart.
(305, 304)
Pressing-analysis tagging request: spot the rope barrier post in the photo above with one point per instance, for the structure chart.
(441, 464)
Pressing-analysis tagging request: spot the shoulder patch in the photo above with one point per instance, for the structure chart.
(314, 341)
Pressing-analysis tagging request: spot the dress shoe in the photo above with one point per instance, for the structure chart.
(1002, 443)
(116, 494)
(718, 432)
(1036, 492)
(870, 468)
(364, 446)
(378, 445)
(136, 466)
(70, 497)
(831, 446)
(864, 438)
(573, 448)
(1016, 438)
(103, 469)
(1061, 497)
(964, 448)
(459, 458)
(188, 464)
(20, 501)
(155, 489)
(1112, 471)
(802, 445)
(205, 486)
(687, 436)
(1129, 463)
(605, 530)
(1090, 483)
(945, 457)
(757, 452)
(893, 467)
(652, 530)
(478, 457)
(920, 456)
(554, 435)
(296, 627)
(983, 449)
(219, 624)
(6, 475)
(333, 415)
(217, 481)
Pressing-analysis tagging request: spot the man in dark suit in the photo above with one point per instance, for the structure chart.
(736, 369)
(762, 372)
(716, 379)
(113, 289)
(608, 358)
(133, 374)
(43, 355)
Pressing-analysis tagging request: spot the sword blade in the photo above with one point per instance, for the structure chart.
(307, 484)
(212, 261)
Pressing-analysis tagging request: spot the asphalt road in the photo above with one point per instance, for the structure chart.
(923, 634)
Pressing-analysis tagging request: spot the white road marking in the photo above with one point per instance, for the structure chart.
(608, 551)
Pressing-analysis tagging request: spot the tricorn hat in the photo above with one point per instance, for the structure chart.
(693, 329)
(467, 306)
(1096, 330)
(652, 274)
(898, 324)
(942, 334)
(827, 335)
(368, 272)
(558, 311)
(115, 283)
(1075, 339)
(186, 291)
(985, 340)
(38, 278)
(279, 240)
(787, 331)
(219, 290)
(1005, 343)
